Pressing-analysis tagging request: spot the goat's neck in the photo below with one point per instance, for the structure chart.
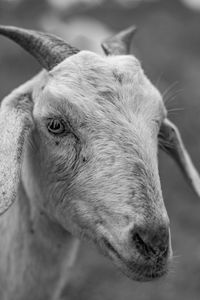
(37, 255)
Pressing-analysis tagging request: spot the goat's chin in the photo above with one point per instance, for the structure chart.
(142, 271)
(139, 269)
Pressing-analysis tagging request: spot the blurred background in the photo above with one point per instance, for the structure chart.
(168, 45)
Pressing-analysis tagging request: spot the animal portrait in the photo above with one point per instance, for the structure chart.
(79, 149)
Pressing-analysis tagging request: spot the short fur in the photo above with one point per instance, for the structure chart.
(99, 180)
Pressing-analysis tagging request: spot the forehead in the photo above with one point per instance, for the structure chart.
(92, 81)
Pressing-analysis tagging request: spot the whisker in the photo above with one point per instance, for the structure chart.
(172, 97)
(159, 79)
(169, 89)
(176, 108)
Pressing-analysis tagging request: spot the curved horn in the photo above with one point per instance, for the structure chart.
(119, 43)
(48, 49)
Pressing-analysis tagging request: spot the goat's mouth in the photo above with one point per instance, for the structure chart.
(139, 268)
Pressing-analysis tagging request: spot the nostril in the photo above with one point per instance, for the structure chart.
(142, 247)
(160, 241)
(152, 243)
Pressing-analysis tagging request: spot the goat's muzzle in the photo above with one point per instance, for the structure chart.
(144, 254)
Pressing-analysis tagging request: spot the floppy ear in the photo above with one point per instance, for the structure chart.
(170, 141)
(15, 125)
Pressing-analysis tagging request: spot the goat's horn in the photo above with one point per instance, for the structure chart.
(119, 43)
(48, 49)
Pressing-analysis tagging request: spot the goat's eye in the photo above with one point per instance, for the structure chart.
(56, 126)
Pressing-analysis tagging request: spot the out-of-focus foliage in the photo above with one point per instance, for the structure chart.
(194, 4)
(70, 4)
(61, 5)
(168, 44)
(82, 32)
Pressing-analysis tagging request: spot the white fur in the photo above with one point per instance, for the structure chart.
(100, 181)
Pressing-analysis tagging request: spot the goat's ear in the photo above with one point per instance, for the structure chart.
(170, 141)
(15, 125)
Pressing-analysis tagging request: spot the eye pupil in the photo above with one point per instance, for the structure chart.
(56, 126)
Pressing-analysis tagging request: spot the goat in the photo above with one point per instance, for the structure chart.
(78, 159)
